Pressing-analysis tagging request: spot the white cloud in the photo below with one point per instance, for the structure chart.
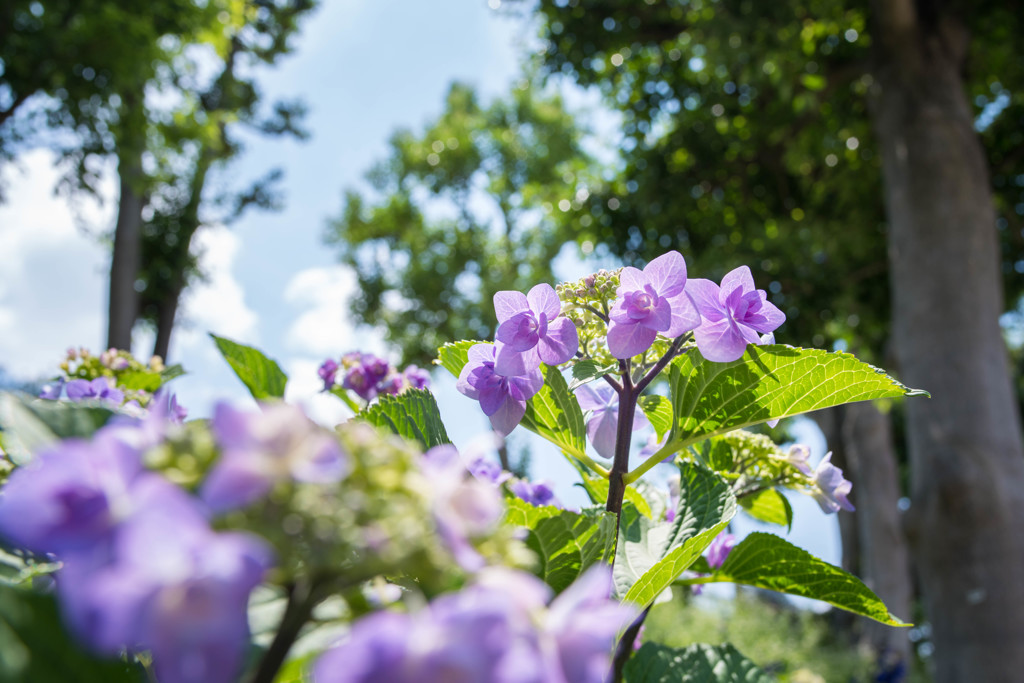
(324, 327)
(53, 279)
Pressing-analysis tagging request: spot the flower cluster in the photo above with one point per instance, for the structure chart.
(498, 629)
(369, 376)
(629, 312)
(114, 377)
(142, 567)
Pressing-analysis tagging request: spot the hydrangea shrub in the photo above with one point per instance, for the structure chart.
(258, 546)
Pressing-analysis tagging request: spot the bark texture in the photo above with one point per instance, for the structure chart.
(124, 265)
(965, 445)
(884, 556)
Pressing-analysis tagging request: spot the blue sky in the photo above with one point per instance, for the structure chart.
(365, 68)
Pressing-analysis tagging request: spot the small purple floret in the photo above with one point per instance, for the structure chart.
(51, 391)
(831, 487)
(502, 398)
(532, 330)
(719, 550)
(537, 493)
(99, 389)
(328, 369)
(732, 316)
(602, 402)
(650, 302)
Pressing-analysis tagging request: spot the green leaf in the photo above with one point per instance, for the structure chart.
(597, 489)
(412, 414)
(34, 648)
(767, 561)
(261, 375)
(658, 410)
(139, 380)
(18, 569)
(586, 371)
(454, 356)
(652, 555)
(769, 505)
(30, 424)
(555, 414)
(566, 542)
(768, 382)
(552, 413)
(171, 372)
(656, 663)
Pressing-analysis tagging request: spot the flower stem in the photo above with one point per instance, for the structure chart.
(624, 433)
(625, 647)
(302, 598)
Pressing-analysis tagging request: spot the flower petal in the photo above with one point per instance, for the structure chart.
(739, 278)
(543, 299)
(630, 280)
(667, 274)
(684, 315)
(704, 294)
(626, 341)
(601, 430)
(720, 341)
(511, 363)
(561, 342)
(508, 416)
(507, 303)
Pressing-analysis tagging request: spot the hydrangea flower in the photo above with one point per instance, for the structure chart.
(51, 391)
(602, 402)
(536, 493)
(732, 316)
(262, 449)
(496, 630)
(532, 330)
(73, 495)
(650, 302)
(417, 377)
(464, 507)
(719, 550)
(99, 389)
(797, 457)
(831, 488)
(327, 370)
(171, 586)
(502, 398)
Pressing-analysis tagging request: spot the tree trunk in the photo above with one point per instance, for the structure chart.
(967, 459)
(884, 556)
(124, 265)
(166, 316)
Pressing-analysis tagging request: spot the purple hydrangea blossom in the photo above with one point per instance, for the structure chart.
(464, 507)
(602, 402)
(831, 488)
(584, 622)
(486, 469)
(99, 389)
(417, 377)
(650, 302)
(532, 330)
(51, 391)
(327, 370)
(171, 586)
(502, 398)
(732, 316)
(261, 449)
(73, 495)
(537, 493)
(495, 631)
(797, 457)
(719, 550)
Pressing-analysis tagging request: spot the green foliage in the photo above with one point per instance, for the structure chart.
(767, 561)
(767, 382)
(34, 648)
(651, 555)
(458, 212)
(597, 489)
(768, 505)
(553, 412)
(588, 370)
(796, 646)
(694, 664)
(262, 376)
(412, 414)
(566, 543)
(658, 410)
(30, 424)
